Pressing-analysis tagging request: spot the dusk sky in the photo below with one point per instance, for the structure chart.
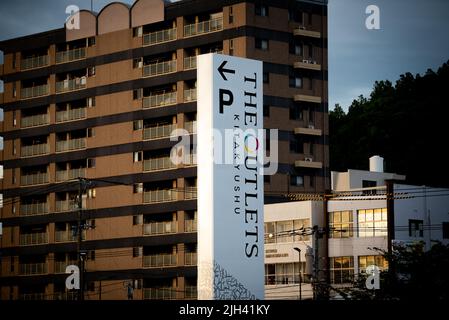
(414, 36)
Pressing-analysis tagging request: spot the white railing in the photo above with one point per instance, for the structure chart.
(33, 209)
(37, 178)
(70, 55)
(33, 238)
(71, 174)
(69, 115)
(34, 62)
(73, 144)
(212, 25)
(64, 236)
(190, 225)
(190, 63)
(159, 36)
(160, 227)
(35, 91)
(160, 260)
(155, 164)
(33, 268)
(191, 126)
(190, 95)
(190, 258)
(36, 120)
(70, 85)
(166, 293)
(61, 265)
(191, 292)
(158, 132)
(34, 150)
(160, 195)
(159, 100)
(159, 68)
(65, 205)
(190, 193)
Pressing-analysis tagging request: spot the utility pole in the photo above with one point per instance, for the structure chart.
(300, 269)
(80, 239)
(315, 262)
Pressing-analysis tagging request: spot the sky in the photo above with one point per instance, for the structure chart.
(413, 36)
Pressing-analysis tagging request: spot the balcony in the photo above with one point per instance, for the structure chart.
(34, 62)
(161, 36)
(190, 258)
(307, 98)
(163, 227)
(158, 132)
(37, 178)
(28, 239)
(34, 121)
(65, 205)
(308, 64)
(71, 85)
(156, 164)
(71, 174)
(68, 236)
(36, 91)
(190, 193)
(308, 162)
(159, 68)
(190, 95)
(70, 115)
(61, 265)
(191, 293)
(191, 126)
(190, 63)
(33, 209)
(190, 225)
(33, 268)
(160, 260)
(70, 55)
(309, 131)
(166, 293)
(33, 296)
(155, 196)
(160, 100)
(35, 150)
(302, 31)
(69, 145)
(207, 26)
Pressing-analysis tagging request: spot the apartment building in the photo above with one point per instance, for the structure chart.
(99, 103)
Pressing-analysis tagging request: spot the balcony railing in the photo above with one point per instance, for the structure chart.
(190, 258)
(167, 293)
(70, 174)
(191, 126)
(71, 85)
(160, 100)
(30, 179)
(190, 193)
(33, 209)
(34, 62)
(160, 196)
(160, 227)
(191, 292)
(212, 25)
(158, 132)
(33, 268)
(33, 238)
(70, 55)
(190, 225)
(190, 95)
(61, 265)
(65, 205)
(160, 260)
(190, 63)
(155, 164)
(159, 68)
(66, 296)
(35, 91)
(32, 296)
(69, 115)
(159, 36)
(73, 144)
(33, 121)
(67, 236)
(34, 150)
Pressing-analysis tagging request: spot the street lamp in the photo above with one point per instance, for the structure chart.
(300, 269)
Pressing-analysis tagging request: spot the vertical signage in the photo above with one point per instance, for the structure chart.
(230, 178)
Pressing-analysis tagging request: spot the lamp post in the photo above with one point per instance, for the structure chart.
(300, 269)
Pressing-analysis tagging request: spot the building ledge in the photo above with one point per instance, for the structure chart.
(309, 131)
(307, 98)
(309, 164)
(307, 64)
(301, 31)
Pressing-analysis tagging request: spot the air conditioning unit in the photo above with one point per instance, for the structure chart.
(308, 159)
(140, 64)
(305, 61)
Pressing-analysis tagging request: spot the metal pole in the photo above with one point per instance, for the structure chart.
(300, 276)
(315, 263)
(80, 238)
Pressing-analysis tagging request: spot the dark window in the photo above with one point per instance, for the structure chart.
(136, 252)
(295, 82)
(266, 179)
(91, 41)
(415, 228)
(261, 44)
(137, 219)
(297, 181)
(266, 110)
(138, 187)
(91, 163)
(296, 145)
(261, 10)
(92, 255)
(91, 286)
(266, 77)
(231, 47)
(137, 124)
(295, 112)
(137, 94)
(312, 181)
(445, 230)
(90, 132)
(231, 15)
(369, 184)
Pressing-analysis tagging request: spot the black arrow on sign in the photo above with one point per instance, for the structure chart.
(222, 70)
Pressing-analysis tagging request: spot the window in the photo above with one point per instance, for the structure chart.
(296, 144)
(14, 61)
(261, 44)
(266, 179)
(445, 230)
(90, 132)
(137, 220)
(286, 231)
(369, 184)
(341, 269)
(137, 32)
(91, 193)
(11, 269)
(137, 252)
(137, 63)
(14, 118)
(14, 90)
(91, 163)
(270, 232)
(372, 222)
(137, 124)
(13, 176)
(266, 77)
(379, 261)
(137, 156)
(266, 110)
(231, 15)
(138, 187)
(14, 147)
(283, 273)
(91, 102)
(90, 71)
(340, 224)
(297, 181)
(310, 51)
(91, 41)
(415, 228)
(295, 82)
(92, 255)
(231, 47)
(295, 113)
(311, 181)
(137, 94)
(261, 10)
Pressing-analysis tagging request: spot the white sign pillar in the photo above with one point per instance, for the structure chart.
(230, 178)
